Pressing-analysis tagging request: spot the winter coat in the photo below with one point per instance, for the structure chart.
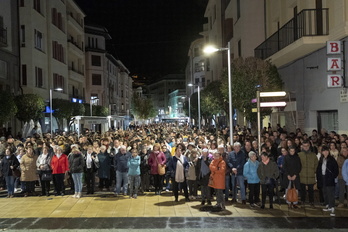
(330, 174)
(6, 163)
(217, 168)
(340, 162)
(134, 166)
(292, 166)
(61, 165)
(104, 165)
(28, 168)
(120, 161)
(237, 161)
(345, 171)
(250, 172)
(76, 163)
(191, 172)
(309, 163)
(154, 160)
(203, 180)
(46, 163)
(266, 171)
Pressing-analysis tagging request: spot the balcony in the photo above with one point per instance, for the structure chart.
(75, 48)
(3, 37)
(302, 34)
(74, 22)
(76, 75)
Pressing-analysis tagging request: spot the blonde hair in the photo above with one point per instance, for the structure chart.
(157, 145)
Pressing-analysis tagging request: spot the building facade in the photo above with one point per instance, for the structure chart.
(9, 53)
(159, 92)
(297, 34)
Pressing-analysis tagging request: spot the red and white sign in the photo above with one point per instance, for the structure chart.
(334, 64)
(334, 81)
(333, 47)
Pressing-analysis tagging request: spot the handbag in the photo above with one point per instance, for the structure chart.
(291, 193)
(161, 168)
(46, 175)
(16, 173)
(211, 181)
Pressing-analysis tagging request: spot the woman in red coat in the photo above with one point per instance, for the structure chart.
(157, 157)
(217, 178)
(60, 166)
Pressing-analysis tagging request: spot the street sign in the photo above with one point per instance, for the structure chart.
(344, 95)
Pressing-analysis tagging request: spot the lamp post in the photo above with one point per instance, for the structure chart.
(211, 49)
(51, 115)
(199, 105)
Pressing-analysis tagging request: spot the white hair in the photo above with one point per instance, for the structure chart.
(251, 153)
(237, 144)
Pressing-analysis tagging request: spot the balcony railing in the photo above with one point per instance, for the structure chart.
(3, 37)
(309, 22)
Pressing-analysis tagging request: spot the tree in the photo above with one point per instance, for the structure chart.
(247, 74)
(100, 111)
(143, 108)
(65, 109)
(8, 108)
(30, 106)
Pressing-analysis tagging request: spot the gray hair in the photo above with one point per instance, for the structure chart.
(237, 144)
(251, 153)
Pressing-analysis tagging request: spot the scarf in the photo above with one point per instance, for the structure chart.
(89, 161)
(204, 168)
(179, 172)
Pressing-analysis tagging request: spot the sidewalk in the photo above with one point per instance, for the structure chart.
(150, 205)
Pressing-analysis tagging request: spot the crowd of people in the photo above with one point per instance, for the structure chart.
(161, 158)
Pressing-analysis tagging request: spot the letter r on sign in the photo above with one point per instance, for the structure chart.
(334, 81)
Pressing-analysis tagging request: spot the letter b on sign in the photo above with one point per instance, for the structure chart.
(334, 81)
(333, 47)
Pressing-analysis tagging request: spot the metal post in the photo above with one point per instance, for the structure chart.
(189, 100)
(51, 117)
(230, 91)
(199, 108)
(78, 127)
(258, 120)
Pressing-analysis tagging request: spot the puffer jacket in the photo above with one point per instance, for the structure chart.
(309, 163)
(76, 163)
(134, 165)
(269, 170)
(250, 172)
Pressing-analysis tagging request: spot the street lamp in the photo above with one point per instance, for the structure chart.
(199, 105)
(51, 109)
(209, 50)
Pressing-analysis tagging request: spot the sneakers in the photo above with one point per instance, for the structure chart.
(75, 195)
(332, 213)
(327, 209)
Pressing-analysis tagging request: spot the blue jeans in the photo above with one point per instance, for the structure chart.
(121, 177)
(77, 177)
(134, 183)
(240, 180)
(10, 184)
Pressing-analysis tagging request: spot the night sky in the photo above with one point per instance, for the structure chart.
(151, 37)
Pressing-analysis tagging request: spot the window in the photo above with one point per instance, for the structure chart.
(37, 5)
(239, 48)
(96, 79)
(58, 81)
(22, 35)
(121, 93)
(57, 19)
(38, 77)
(328, 120)
(58, 51)
(96, 60)
(238, 9)
(24, 74)
(38, 40)
(21, 3)
(3, 69)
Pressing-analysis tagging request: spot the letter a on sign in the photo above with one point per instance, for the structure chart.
(333, 47)
(334, 64)
(334, 81)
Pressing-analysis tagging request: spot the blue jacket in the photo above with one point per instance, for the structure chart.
(250, 172)
(121, 161)
(172, 165)
(345, 171)
(237, 161)
(134, 166)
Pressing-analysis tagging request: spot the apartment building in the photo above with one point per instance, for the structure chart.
(159, 92)
(9, 52)
(297, 33)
